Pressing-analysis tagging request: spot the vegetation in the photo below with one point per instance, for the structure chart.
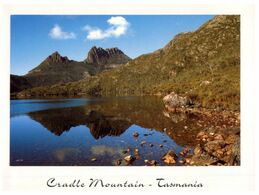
(204, 65)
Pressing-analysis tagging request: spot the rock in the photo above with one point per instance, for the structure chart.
(129, 158)
(136, 151)
(174, 100)
(151, 145)
(219, 152)
(94, 159)
(161, 145)
(230, 139)
(197, 150)
(124, 151)
(142, 143)
(214, 145)
(118, 162)
(181, 161)
(135, 134)
(187, 160)
(218, 137)
(204, 83)
(169, 157)
(151, 162)
(175, 117)
(200, 134)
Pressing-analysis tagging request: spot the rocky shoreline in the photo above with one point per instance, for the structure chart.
(219, 139)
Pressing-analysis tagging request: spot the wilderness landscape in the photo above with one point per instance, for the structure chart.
(176, 106)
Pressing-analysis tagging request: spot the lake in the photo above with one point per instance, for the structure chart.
(96, 131)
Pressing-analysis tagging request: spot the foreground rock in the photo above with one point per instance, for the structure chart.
(220, 148)
(173, 101)
(169, 157)
(129, 158)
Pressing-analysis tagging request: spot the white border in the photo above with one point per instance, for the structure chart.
(215, 178)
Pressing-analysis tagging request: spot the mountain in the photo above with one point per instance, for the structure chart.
(104, 57)
(56, 69)
(203, 65)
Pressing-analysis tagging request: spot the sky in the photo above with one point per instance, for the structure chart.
(35, 37)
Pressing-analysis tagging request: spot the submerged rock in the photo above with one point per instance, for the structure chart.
(124, 151)
(135, 134)
(151, 162)
(129, 158)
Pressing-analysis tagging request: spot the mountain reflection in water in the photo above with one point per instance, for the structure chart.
(110, 122)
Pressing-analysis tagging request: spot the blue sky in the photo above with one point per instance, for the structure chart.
(34, 37)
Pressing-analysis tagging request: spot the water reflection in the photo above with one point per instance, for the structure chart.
(100, 129)
(112, 117)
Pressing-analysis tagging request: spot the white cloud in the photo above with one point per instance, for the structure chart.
(118, 27)
(57, 33)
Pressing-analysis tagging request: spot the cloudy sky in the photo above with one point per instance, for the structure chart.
(34, 37)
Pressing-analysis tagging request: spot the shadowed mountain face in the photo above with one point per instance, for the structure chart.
(104, 57)
(19, 83)
(56, 69)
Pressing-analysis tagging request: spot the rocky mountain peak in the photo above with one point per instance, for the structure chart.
(100, 56)
(57, 58)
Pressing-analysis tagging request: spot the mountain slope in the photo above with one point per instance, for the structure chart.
(204, 65)
(56, 69)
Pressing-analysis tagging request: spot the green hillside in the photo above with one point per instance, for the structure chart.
(204, 65)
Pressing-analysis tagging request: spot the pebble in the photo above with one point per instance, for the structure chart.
(187, 160)
(169, 157)
(129, 158)
(197, 150)
(124, 151)
(151, 162)
(135, 134)
(118, 162)
(181, 161)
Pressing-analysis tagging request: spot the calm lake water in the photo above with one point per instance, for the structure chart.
(73, 132)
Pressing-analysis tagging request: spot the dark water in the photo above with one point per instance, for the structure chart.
(74, 131)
